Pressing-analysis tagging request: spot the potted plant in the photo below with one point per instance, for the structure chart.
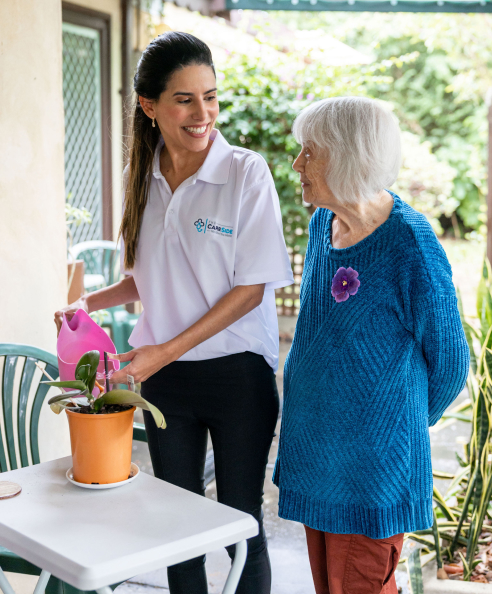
(101, 427)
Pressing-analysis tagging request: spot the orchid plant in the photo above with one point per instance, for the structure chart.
(81, 388)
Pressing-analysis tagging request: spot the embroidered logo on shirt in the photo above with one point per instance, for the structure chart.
(213, 227)
(200, 225)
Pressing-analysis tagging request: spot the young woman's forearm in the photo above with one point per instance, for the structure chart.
(121, 293)
(232, 307)
(147, 360)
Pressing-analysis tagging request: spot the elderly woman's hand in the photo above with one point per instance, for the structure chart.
(145, 361)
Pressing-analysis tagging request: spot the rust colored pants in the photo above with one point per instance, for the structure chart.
(353, 563)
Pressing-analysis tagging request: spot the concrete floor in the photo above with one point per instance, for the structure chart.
(286, 540)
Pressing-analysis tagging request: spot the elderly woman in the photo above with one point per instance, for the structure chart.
(379, 353)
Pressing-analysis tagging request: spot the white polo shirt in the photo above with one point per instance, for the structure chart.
(221, 228)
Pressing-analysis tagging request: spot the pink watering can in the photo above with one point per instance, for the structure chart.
(77, 336)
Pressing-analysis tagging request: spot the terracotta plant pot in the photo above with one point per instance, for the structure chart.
(101, 446)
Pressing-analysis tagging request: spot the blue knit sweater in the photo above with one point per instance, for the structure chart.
(365, 378)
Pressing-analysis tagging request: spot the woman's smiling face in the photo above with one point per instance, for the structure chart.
(187, 110)
(312, 166)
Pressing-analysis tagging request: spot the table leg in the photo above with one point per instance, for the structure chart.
(4, 584)
(40, 585)
(237, 568)
(42, 582)
(105, 590)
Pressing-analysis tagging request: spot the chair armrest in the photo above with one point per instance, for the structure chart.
(139, 433)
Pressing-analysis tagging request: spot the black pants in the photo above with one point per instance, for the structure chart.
(236, 399)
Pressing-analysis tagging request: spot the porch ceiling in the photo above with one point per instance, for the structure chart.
(364, 5)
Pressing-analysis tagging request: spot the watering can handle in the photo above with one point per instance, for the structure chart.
(65, 323)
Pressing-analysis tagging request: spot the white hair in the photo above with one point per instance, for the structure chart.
(361, 139)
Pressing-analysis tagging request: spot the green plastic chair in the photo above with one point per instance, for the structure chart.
(101, 262)
(102, 268)
(21, 359)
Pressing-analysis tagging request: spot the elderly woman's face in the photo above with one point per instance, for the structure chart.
(312, 166)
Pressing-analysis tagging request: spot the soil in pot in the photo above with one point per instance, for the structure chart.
(107, 409)
(101, 445)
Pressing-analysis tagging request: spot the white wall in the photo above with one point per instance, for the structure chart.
(33, 264)
(33, 271)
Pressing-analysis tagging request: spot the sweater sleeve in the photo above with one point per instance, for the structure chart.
(439, 331)
(435, 319)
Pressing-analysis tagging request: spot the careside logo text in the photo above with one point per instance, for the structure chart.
(213, 227)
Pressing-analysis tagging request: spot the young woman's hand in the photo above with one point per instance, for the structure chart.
(69, 311)
(145, 361)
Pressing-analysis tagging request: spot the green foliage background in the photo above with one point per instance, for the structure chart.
(259, 102)
(433, 69)
(440, 94)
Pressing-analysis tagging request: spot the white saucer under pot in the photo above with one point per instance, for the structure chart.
(134, 472)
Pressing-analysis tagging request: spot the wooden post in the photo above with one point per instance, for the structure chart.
(489, 169)
(126, 65)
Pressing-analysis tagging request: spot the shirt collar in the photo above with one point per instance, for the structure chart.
(217, 165)
(215, 168)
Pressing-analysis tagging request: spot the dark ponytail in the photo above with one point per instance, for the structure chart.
(162, 57)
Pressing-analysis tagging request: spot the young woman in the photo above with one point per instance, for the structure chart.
(204, 251)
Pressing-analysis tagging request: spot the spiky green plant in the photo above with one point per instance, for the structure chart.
(83, 385)
(461, 512)
(415, 571)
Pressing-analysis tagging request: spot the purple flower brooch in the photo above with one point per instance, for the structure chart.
(344, 284)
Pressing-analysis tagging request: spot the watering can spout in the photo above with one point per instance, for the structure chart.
(77, 336)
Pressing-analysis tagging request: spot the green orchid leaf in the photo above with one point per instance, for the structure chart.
(75, 394)
(75, 384)
(98, 404)
(82, 372)
(60, 397)
(90, 359)
(58, 407)
(92, 381)
(133, 399)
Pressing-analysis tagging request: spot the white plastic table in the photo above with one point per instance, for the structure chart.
(93, 538)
